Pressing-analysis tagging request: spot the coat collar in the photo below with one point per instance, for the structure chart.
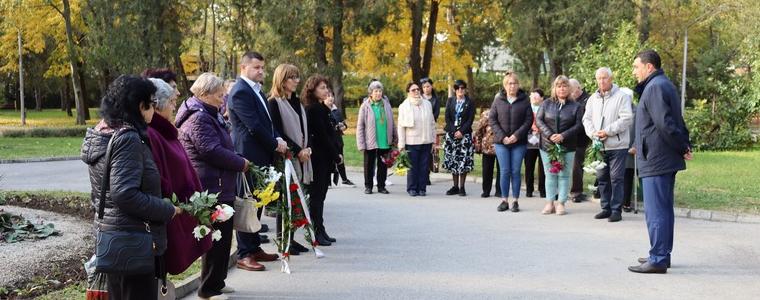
(641, 85)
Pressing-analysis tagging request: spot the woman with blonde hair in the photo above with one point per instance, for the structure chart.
(289, 119)
(559, 119)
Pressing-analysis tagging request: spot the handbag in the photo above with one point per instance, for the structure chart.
(245, 218)
(124, 250)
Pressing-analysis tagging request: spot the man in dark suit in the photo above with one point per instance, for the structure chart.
(255, 139)
(662, 145)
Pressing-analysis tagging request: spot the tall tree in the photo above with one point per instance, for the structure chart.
(420, 65)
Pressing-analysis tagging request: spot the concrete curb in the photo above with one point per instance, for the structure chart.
(688, 213)
(33, 160)
(189, 285)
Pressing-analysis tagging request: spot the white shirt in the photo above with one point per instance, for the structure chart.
(257, 90)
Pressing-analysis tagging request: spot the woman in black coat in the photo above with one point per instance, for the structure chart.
(458, 147)
(324, 144)
(134, 199)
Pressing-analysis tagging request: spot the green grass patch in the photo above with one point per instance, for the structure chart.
(71, 292)
(44, 118)
(36, 147)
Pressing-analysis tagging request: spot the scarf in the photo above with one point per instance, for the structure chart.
(292, 127)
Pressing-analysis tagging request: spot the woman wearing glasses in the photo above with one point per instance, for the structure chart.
(458, 150)
(416, 132)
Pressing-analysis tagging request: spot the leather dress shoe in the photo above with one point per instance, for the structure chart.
(328, 237)
(368, 191)
(642, 260)
(347, 182)
(412, 193)
(485, 195)
(515, 207)
(263, 256)
(263, 238)
(503, 206)
(615, 217)
(382, 191)
(422, 193)
(647, 268)
(603, 214)
(298, 247)
(529, 194)
(250, 264)
(322, 241)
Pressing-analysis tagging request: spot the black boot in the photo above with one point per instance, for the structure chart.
(462, 179)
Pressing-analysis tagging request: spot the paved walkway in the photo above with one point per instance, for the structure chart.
(450, 247)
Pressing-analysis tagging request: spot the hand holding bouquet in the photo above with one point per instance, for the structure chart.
(203, 207)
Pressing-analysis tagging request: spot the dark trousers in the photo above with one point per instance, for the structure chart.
(658, 203)
(611, 179)
(630, 175)
(216, 262)
(371, 159)
(248, 243)
(318, 193)
(489, 164)
(128, 287)
(531, 157)
(341, 167)
(418, 177)
(580, 158)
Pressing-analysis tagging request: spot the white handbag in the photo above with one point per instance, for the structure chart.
(245, 218)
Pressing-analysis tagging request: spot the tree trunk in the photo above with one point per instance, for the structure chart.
(201, 58)
(430, 40)
(213, 36)
(83, 89)
(78, 98)
(337, 54)
(416, 6)
(183, 84)
(37, 100)
(644, 21)
(320, 43)
(471, 89)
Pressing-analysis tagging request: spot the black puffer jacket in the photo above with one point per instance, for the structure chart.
(135, 193)
(566, 119)
(510, 119)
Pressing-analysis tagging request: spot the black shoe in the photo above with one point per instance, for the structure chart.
(542, 195)
(264, 228)
(263, 239)
(412, 193)
(382, 190)
(298, 247)
(452, 191)
(428, 182)
(643, 260)
(462, 192)
(515, 207)
(485, 195)
(603, 214)
(647, 268)
(368, 190)
(422, 193)
(503, 206)
(335, 179)
(347, 182)
(529, 194)
(615, 217)
(627, 208)
(322, 241)
(328, 237)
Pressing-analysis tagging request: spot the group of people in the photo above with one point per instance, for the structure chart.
(217, 135)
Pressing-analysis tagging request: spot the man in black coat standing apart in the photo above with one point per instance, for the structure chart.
(662, 145)
(255, 139)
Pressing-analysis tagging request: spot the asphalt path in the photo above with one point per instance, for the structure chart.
(450, 247)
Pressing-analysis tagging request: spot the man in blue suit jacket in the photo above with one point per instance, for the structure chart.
(662, 145)
(256, 139)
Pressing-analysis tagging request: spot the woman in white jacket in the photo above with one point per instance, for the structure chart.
(607, 122)
(416, 133)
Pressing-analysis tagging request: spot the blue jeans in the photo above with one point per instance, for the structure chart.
(612, 180)
(658, 202)
(510, 161)
(558, 185)
(417, 177)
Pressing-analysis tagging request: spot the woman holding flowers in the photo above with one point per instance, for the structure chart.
(559, 121)
(134, 187)
(416, 133)
(316, 96)
(206, 139)
(457, 147)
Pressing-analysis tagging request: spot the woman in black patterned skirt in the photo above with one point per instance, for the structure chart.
(457, 147)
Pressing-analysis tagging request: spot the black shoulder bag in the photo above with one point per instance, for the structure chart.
(123, 250)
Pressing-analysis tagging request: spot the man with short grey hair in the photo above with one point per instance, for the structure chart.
(607, 121)
(578, 94)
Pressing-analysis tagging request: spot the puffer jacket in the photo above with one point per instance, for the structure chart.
(134, 196)
(511, 119)
(565, 119)
(203, 133)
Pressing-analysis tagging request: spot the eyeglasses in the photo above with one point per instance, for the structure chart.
(460, 88)
(293, 78)
(415, 90)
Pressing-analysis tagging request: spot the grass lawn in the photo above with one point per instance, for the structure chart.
(46, 118)
(34, 147)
